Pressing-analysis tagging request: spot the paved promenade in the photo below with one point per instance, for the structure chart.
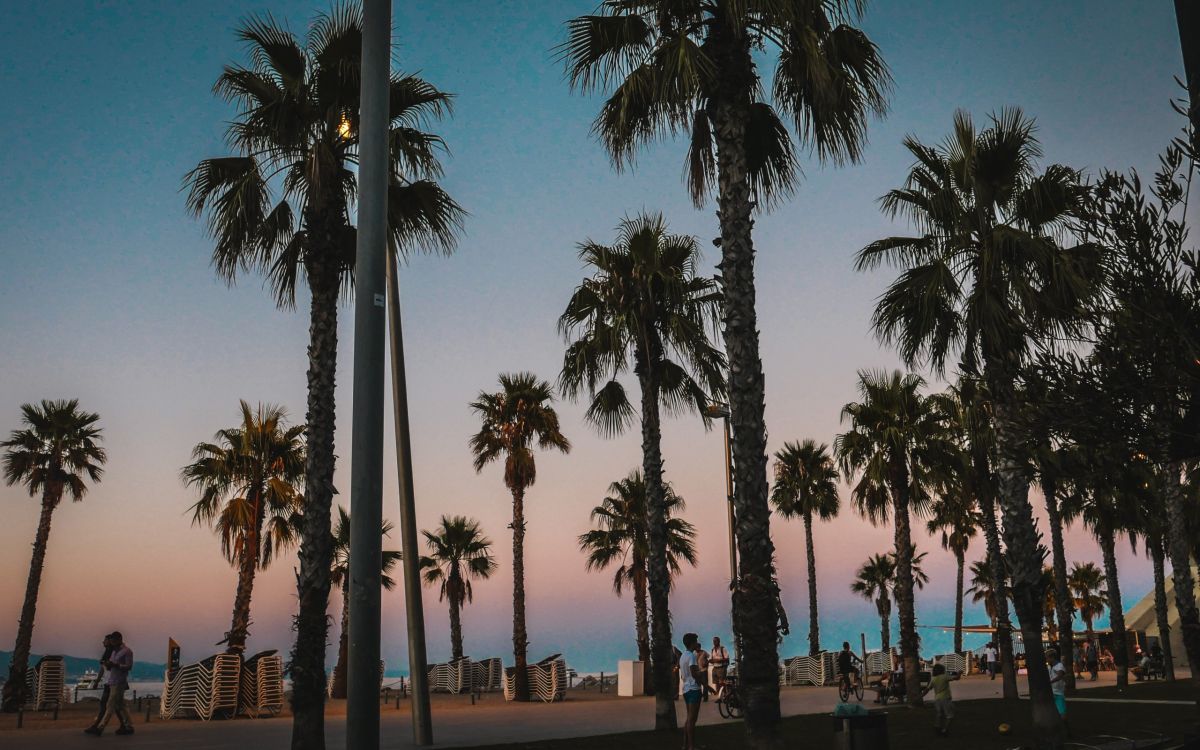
(457, 723)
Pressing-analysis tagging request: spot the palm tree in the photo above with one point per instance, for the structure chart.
(874, 583)
(249, 478)
(458, 553)
(515, 419)
(644, 308)
(339, 575)
(898, 441)
(984, 276)
(1086, 582)
(621, 536)
(806, 481)
(688, 67)
(295, 138)
(955, 516)
(984, 589)
(57, 452)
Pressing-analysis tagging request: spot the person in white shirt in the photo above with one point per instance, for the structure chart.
(1058, 683)
(689, 673)
(989, 654)
(118, 664)
(719, 658)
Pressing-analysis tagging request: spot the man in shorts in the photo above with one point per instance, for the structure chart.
(689, 673)
(1058, 683)
(943, 702)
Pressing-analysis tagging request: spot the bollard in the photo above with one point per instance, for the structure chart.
(20, 717)
(602, 682)
(397, 702)
(472, 699)
(147, 712)
(56, 712)
(135, 695)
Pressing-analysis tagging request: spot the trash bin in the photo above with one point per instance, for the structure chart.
(861, 732)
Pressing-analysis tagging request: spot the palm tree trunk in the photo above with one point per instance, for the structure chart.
(1181, 571)
(1158, 555)
(960, 558)
(316, 540)
(247, 568)
(642, 622)
(337, 686)
(520, 634)
(1062, 596)
(15, 690)
(1024, 557)
(909, 645)
(814, 628)
(658, 574)
(995, 562)
(756, 605)
(884, 605)
(456, 635)
(1116, 612)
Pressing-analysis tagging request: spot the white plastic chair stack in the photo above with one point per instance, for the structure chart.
(955, 663)
(46, 682)
(261, 685)
(547, 680)
(488, 674)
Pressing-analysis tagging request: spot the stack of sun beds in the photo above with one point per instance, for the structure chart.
(205, 689)
(547, 680)
(954, 663)
(809, 670)
(260, 690)
(880, 662)
(464, 675)
(46, 682)
(488, 674)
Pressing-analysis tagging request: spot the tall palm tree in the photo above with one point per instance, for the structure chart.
(621, 536)
(515, 420)
(897, 442)
(688, 67)
(985, 589)
(339, 575)
(1087, 582)
(643, 308)
(250, 478)
(458, 553)
(282, 205)
(956, 518)
(58, 451)
(806, 485)
(984, 276)
(874, 583)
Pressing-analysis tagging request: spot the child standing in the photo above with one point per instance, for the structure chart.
(943, 702)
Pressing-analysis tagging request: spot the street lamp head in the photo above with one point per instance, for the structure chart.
(716, 411)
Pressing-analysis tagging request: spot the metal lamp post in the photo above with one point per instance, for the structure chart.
(720, 411)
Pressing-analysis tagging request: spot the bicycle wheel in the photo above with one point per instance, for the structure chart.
(735, 707)
(843, 690)
(858, 690)
(723, 708)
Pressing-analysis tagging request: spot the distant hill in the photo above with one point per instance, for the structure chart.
(77, 665)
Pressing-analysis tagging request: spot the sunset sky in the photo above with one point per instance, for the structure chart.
(107, 295)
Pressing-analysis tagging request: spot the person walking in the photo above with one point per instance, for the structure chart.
(1058, 684)
(118, 664)
(689, 672)
(108, 649)
(703, 661)
(989, 654)
(1092, 657)
(719, 659)
(943, 702)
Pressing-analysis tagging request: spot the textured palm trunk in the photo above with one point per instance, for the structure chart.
(456, 634)
(960, 560)
(658, 574)
(15, 690)
(1116, 612)
(316, 541)
(1062, 595)
(1158, 556)
(1181, 571)
(884, 607)
(1023, 543)
(995, 562)
(641, 618)
(814, 628)
(756, 606)
(239, 628)
(906, 606)
(337, 684)
(520, 637)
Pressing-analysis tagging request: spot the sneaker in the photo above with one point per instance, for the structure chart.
(97, 731)
(124, 730)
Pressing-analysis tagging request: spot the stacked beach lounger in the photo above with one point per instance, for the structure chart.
(488, 674)
(260, 689)
(880, 662)
(547, 680)
(205, 689)
(809, 670)
(463, 676)
(47, 682)
(954, 663)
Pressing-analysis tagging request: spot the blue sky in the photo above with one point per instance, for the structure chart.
(107, 293)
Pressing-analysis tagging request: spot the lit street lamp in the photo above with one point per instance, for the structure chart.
(717, 410)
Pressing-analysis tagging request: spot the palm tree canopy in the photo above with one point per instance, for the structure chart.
(295, 139)
(622, 536)
(458, 553)
(875, 576)
(984, 587)
(516, 418)
(806, 481)
(339, 572)
(985, 270)
(643, 301)
(955, 516)
(666, 63)
(250, 476)
(895, 432)
(1086, 583)
(59, 444)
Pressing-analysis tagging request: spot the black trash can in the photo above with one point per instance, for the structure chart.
(861, 732)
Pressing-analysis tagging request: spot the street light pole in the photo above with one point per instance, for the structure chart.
(366, 460)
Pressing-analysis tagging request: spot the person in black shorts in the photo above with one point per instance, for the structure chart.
(847, 663)
(108, 649)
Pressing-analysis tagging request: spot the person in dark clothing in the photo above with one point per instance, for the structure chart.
(847, 664)
(108, 649)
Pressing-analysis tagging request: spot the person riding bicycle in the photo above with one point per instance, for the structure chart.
(847, 662)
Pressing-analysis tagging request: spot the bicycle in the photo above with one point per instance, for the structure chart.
(846, 689)
(729, 700)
